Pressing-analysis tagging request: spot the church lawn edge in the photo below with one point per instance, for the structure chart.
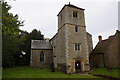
(27, 72)
(104, 71)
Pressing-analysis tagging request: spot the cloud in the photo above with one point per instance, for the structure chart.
(101, 17)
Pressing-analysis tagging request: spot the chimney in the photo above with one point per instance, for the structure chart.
(100, 38)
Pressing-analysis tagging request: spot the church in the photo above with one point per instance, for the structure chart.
(69, 48)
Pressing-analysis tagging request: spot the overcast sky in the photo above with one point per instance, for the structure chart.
(101, 16)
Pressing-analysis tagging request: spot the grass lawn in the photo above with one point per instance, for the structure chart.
(27, 72)
(103, 71)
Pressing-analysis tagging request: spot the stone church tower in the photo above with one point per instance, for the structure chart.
(69, 49)
(72, 44)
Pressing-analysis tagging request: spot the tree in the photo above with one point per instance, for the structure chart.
(34, 35)
(15, 41)
(11, 40)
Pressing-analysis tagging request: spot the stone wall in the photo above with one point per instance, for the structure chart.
(35, 58)
(90, 43)
(77, 37)
(55, 46)
(80, 20)
(67, 17)
(61, 67)
(67, 37)
(112, 52)
(97, 60)
(60, 47)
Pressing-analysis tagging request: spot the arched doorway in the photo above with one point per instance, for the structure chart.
(77, 66)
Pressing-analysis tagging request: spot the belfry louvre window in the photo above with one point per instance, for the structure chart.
(75, 14)
(77, 46)
(41, 56)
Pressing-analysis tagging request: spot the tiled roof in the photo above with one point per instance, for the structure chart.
(70, 5)
(102, 46)
(40, 44)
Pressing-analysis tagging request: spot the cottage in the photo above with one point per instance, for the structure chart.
(106, 52)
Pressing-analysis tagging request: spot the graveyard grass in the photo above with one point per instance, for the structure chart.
(104, 71)
(27, 72)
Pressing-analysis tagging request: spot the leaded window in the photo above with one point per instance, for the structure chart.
(77, 46)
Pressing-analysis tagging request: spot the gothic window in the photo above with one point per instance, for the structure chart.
(75, 14)
(77, 46)
(76, 28)
(41, 56)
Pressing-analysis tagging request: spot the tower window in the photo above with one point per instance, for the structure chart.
(61, 16)
(77, 46)
(41, 56)
(76, 28)
(75, 14)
